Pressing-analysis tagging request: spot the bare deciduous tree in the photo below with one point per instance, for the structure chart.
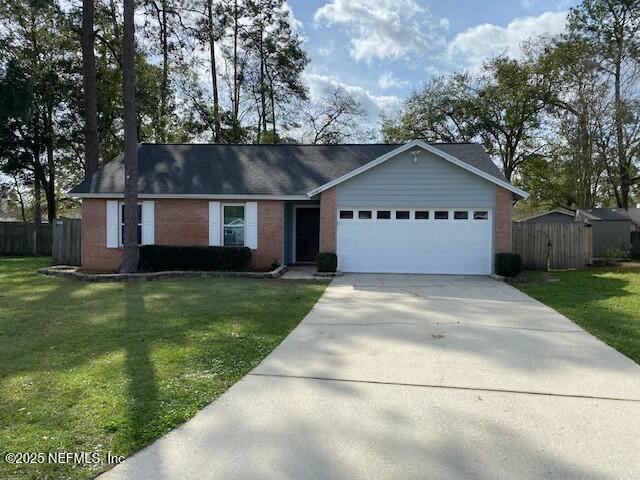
(336, 117)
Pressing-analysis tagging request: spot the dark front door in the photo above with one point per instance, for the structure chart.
(307, 234)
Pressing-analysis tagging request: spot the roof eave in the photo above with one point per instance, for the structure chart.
(206, 196)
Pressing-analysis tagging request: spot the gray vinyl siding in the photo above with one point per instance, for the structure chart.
(432, 182)
(610, 234)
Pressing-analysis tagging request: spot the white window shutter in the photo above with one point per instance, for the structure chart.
(214, 224)
(112, 224)
(148, 222)
(251, 225)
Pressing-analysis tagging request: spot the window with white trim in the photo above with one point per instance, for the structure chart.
(460, 215)
(346, 214)
(383, 214)
(481, 215)
(233, 225)
(422, 215)
(364, 214)
(441, 215)
(121, 223)
(402, 215)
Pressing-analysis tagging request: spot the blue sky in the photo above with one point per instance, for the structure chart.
(381, 50)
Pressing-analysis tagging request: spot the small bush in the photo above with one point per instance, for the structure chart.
(611, 255)
(327, 262)
(158, 258)
(508, 264)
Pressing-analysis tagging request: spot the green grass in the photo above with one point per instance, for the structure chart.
(603, 301)
(90, 367)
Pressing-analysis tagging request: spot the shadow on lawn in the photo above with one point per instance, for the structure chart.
(143, 389)
(53, 326)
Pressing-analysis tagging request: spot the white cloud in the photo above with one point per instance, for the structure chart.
(374, 105)
(388, 80)
(444, 23)
(327, 49)
(473, 46)
(385, 29)
(296, 25)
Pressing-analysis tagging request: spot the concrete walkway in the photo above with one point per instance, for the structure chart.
(402, 376)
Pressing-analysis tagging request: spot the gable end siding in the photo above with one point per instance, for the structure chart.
(432, 182)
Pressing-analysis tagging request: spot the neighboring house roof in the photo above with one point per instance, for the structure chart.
(562, 211)
(607, 214)
(264, 170)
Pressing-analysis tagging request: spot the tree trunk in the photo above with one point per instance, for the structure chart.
(87, 39)
(263, 100)
(625, 178)
(20, 199)
(130, 235)
(164, 85)
(214, 73)
(50, 187)
(273, 109)
(236, 82)
(37, 201)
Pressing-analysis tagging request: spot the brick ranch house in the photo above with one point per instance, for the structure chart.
(408, 208)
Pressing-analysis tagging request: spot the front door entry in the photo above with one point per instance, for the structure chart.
(307, 234)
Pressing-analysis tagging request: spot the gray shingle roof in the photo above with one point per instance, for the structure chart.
(208, 169)
(605, 214)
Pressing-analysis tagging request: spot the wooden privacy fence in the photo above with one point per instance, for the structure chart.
(66, 249)
(552, 245)
(635, 244)
(21, 239)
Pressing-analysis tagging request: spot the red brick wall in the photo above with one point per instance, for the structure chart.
(178, 222)
(504, 205)
(96, 257)
(328, 222)
(270, 234)
(182, 222)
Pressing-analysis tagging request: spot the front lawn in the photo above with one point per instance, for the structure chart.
(603, 301)
(108, 367)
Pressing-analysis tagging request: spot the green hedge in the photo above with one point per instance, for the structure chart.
(158, 258)
(327, 262)
(508, 264)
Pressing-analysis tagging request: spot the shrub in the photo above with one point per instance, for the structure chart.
(611, 255)
(508, 264)
(327, 262)
(158, 258)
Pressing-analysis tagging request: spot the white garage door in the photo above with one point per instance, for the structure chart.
(446, 241)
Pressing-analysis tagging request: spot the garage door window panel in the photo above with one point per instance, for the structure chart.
(481, 215)
(402, 214)
(422, 215)
(461, 215)
(383, 214)
(365, 215)
(441, 215)
(346, 214)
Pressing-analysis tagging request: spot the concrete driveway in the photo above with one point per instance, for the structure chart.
(408, 376)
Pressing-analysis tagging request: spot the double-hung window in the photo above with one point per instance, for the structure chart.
(121, 221)
(234, 225)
